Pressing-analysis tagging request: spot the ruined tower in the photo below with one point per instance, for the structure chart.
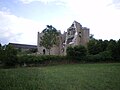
(75, 35)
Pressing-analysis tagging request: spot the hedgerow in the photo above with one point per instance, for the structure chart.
(41, 59)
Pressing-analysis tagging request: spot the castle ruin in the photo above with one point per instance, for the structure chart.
(75, 35)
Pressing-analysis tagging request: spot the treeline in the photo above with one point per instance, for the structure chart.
(95, 51)
(107, 49)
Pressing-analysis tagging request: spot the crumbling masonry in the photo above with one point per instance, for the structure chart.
(75, 35)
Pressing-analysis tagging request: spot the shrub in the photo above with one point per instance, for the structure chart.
(105, 56)
(76, 52)
(70, 53)
(41, 59)
(8, 56)
(101, 57)
(93, 58)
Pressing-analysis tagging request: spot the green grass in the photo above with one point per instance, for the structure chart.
(62, 77)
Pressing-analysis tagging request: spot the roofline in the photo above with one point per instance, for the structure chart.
(22, 44)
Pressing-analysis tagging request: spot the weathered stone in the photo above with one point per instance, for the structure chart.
(75, 35)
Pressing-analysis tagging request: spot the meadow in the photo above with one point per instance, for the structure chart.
(104, 76)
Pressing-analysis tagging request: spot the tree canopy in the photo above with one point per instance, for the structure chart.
(76, 52)
(49, 38)
(8, 55)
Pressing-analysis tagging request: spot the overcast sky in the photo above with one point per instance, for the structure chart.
(20, 20)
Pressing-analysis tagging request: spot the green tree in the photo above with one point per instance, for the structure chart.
(0, 47)
(80, 52)
(96, 46)
(118, 46)
(91, 46)
(105, 44)
(76, 52)
(70, 52)
(50, 37)
(0, 52)
(112, 48)
(9, 57)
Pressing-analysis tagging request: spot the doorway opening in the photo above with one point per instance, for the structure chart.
(43, 51)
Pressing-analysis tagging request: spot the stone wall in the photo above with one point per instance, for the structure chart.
(75, 35)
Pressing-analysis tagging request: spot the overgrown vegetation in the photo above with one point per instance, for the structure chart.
(41, 60)
(8, 55)
(49, 38)
(96, 51)
(25, 52)
(76, 52)
(62, 77)
(104, 50)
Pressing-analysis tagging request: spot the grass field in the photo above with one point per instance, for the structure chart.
(62, 77)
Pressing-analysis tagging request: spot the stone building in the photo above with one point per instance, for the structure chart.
(75, 35)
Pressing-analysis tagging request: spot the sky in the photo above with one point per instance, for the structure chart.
(21, 20)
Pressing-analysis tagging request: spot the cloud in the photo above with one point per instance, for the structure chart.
(18, 29)
(55, 2)
(116, 3)
(30, 1)
(102, 20)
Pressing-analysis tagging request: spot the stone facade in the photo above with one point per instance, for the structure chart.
(55, 50)
(75, 35)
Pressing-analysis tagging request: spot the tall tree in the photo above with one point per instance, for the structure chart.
(76, 52)
(92, 47)
(96, 46)
(0, 52)
(49, 38)
(0, 47)
(112, 48)
(118, 46)
(105, 44)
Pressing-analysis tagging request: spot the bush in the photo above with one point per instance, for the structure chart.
(70, 53)
(92, 58)
(101, 57)
(8, 55)
(105, 56)
(76, 52)
(41, 59)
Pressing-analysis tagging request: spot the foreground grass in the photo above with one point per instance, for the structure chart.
(62, 77)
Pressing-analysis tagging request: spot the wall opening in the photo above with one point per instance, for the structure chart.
(43, 51)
